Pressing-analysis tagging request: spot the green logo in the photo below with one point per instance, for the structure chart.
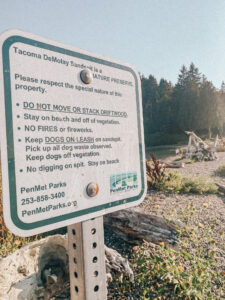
(123, 182)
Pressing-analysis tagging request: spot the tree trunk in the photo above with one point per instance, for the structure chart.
(209, 132)
(220, 129)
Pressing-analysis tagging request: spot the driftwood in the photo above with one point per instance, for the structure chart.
(174, 165)
(198, 149)
(134, 227)
(221, 188)
(115, 263)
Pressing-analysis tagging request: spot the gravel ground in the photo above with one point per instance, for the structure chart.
(210, 209)
(163, 204)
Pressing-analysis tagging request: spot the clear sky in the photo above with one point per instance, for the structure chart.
(155, 36)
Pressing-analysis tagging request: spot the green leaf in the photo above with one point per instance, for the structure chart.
(187, 255)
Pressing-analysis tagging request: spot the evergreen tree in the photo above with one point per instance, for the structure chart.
(150, 98)
(192, 104)
(186, 98)
(164, 113)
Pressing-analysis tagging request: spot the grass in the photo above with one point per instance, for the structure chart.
(175, 183)
(220, 171)
(190, 272)
(159, 178)
(8, 241)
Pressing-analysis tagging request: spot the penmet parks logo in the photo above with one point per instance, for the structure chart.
(123, 182)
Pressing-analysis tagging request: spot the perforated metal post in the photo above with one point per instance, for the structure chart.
(87, 260)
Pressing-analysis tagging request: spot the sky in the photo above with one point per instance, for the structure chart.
(157, 37)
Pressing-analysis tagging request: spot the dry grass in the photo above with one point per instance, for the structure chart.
(8, 241)
(220, 171)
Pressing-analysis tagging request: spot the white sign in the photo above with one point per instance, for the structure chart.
(63, 131)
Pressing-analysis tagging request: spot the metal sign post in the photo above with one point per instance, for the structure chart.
(87, 260)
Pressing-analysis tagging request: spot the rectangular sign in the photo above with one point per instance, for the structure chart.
(72, 141)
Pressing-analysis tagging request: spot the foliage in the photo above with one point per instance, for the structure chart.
(10, 242)
(193, 104)
(189, 272)
(163, 138)
(221, 171)
(173, 182)
(155, 171)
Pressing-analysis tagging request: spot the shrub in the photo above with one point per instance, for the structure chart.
(198, 185)
(175, 183)
(155, 171)
(221, 171)
(8, 241)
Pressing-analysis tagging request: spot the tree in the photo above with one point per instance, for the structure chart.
(208, 107)
(193, 104)
(186, 98)
(164, 121)
(150, 98)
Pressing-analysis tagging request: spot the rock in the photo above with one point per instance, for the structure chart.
(39, 270)
(14, 268)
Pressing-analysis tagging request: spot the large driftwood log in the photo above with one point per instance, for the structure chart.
(134, 226)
